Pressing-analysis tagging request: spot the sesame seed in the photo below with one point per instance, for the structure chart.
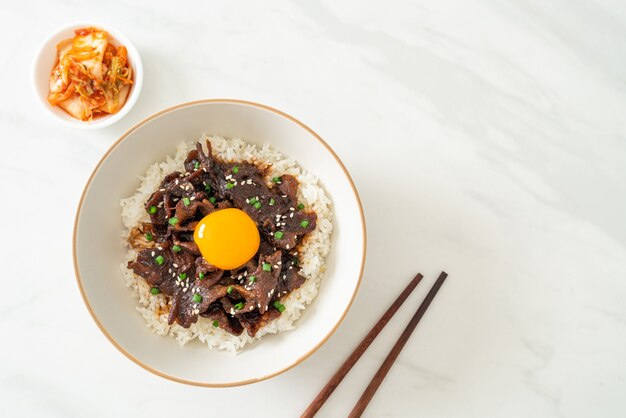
(176, 182)
(175, 265)
(291, 216)
(192, 198)
(152, 253)
(275, 266)
(287, 246)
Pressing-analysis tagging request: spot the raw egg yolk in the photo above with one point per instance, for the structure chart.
(227, 238)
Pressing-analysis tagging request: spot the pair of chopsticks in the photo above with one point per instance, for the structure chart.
(367, 395)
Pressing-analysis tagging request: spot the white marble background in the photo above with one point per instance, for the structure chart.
(487, 138)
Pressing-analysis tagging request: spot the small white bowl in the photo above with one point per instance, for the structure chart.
(46, 58)
(98, 250)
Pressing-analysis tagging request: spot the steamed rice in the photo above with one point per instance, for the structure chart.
(312, 253)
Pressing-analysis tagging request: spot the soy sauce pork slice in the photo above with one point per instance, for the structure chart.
(196, 299)
(266, 279)
(228, 323)
(288, 281)
(288, 186)
(194, 207)
(151, 264)
(160, 275)
(253, 321)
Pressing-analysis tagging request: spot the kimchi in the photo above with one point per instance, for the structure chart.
(92, 76)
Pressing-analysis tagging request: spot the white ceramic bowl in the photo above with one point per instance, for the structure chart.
(46, 59)
(98, 250)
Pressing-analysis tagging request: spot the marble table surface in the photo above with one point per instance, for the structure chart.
(486, 138)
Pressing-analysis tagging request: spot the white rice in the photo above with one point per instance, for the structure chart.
(154, 308)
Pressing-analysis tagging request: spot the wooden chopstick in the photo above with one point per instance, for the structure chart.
(367, 395)
(359, 350)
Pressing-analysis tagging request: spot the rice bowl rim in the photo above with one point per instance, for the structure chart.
(139, 125)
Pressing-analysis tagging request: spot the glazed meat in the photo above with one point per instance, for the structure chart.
(170, 261)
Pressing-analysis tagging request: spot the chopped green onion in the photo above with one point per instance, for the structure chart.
(295, 261)
(197, 298)
(252, 279)
(304, 223)
(212, 199)
(267, 267)
(276, 180)
(257, 205)
(149, 236)
(152, 210)
(238, 306)
(279, 306)
(216, 324)
(173, 220)
(196, 165)
(182, 276)
(230, 185)
(229, 290)
(235, 169)
(159, 259)
(278, 234)
(253, 200)
(272, 201)
(201, 276)
(155, 291)
(207, 187)
(176, 248)
(186, 201)
(300, 206)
